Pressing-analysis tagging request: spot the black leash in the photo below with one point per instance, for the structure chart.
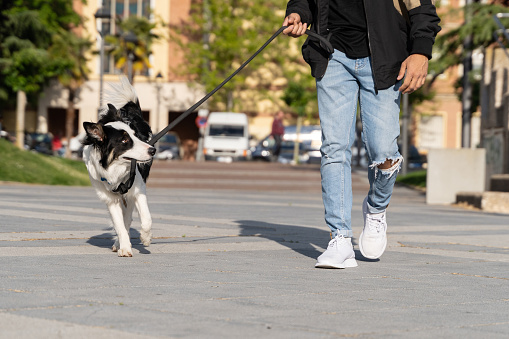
(125, 186)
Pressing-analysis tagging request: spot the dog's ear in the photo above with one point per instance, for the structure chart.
(114, 112)
(94, 131)
(112, 109)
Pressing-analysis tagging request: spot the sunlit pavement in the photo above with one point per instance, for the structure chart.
(233, 255)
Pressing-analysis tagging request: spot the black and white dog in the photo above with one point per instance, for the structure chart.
(119, 136)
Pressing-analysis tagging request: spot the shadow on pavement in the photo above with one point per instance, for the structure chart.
(301, 239)
(106, 240)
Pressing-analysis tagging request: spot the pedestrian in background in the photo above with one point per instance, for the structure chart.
(277, 133)
(381, 49)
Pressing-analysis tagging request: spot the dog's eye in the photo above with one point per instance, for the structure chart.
(125, 140)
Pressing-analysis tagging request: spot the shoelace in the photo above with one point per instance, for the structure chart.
(335, 240)
(376, 224)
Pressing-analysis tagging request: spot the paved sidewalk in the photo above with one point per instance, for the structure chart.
(239, 262)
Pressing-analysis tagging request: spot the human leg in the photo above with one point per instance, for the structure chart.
(380, 119)
(380, 124)
(337, 93)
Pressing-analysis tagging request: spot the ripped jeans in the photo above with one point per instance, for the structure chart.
(346, 82)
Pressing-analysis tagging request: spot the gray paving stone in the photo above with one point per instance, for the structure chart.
(240, 262)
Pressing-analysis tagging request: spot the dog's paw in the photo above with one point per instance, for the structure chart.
(146, 237)
(125, 252)
(115, 246)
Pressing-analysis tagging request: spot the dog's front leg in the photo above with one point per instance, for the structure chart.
(122, 234)
(146, 219)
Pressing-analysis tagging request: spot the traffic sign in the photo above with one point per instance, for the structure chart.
(201, 121)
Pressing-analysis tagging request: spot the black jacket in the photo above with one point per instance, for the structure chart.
(396, 29)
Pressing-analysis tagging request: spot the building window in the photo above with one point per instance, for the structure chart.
(121, 9)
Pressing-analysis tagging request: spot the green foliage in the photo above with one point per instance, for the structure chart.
(30, 167)
(297, 96)
(218, 39)
(29, 30)
(68, 53)
(416, 179)
(25, 62)
(449, 45)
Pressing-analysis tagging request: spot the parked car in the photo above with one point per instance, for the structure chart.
(287, 153)
(39, 142)
(310, 137)
(168, 147)
(264, 149)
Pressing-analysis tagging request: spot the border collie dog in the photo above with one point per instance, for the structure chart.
(119, 136)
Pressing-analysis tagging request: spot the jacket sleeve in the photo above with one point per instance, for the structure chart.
(423, 26)
(301, 7)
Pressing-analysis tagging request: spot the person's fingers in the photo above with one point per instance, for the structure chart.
(404, 85)
(415, 70)
(303, 29)
(402, 71)
(294, 25)
(410, 88)
(298, 29)
(413, 85)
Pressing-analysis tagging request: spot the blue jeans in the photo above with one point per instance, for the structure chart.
(346, 82)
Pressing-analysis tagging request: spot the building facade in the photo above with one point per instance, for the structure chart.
(163, 97)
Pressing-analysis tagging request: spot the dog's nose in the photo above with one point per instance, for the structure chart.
(152, 151)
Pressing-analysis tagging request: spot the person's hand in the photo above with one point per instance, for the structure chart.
(295, 27)
(416, 69)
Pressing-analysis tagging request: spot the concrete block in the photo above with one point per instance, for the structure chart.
(451, 171)
(495, 202)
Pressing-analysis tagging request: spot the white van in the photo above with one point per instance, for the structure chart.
(226, 137)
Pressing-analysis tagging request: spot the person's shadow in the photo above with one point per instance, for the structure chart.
(106, 240)
(301, 239)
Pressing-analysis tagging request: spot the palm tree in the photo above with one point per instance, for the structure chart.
(133, 44)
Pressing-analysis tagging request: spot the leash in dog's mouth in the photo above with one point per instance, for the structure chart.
(324, 43)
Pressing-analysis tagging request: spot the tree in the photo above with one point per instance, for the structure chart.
(133, 44)
(449, 46)
(69, 50)
(220, 35)
(25, 62)
(28, 30)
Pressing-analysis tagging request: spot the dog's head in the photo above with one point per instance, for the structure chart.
(116, 141)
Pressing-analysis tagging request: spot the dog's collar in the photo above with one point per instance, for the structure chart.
(105, 180)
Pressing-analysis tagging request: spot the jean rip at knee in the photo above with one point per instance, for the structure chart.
(396, 162)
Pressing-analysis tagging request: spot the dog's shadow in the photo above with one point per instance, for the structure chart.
(306, 241)
(106, 240)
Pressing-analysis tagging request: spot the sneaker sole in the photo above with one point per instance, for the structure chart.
(373, 256)
(345, 264)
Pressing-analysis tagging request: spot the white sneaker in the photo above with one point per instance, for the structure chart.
(339, 254)
(373, 239)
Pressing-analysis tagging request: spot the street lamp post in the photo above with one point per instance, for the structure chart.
(159, 78)
(100, 15)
